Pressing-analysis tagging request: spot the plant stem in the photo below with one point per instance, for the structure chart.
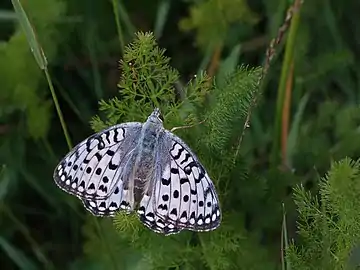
(214, 64)
(118, 26)
(289, 55)
(286, 117)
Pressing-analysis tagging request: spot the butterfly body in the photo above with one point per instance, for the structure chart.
(145, 168)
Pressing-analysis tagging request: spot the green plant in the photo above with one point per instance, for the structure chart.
(329, 224)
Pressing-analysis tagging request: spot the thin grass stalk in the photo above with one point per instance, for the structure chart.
(161, 17)
(116, 7)
(285, 264)
(289, 55)
(286, 118)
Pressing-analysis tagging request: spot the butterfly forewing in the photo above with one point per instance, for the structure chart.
(93, 168)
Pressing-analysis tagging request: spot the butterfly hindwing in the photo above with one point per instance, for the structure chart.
(183, 195)
(118, 200)
(148, 217)
(93, 168)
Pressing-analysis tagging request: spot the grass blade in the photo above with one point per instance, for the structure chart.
(228, 65)
(285, 265)
(115, 5)
(295, 129)
(30, 34)
(161, 16)
(131, 29)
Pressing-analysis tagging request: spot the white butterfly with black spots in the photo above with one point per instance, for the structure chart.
(145, 168)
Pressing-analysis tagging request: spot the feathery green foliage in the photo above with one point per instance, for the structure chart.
(146, 79)
(329, 224)
(230, 105)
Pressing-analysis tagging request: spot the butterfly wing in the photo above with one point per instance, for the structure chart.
(183, 195)
(120, 199)
(93, 169)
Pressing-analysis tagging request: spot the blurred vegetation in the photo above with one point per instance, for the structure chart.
(289, 192)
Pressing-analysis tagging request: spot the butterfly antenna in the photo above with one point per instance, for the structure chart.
(188, 126)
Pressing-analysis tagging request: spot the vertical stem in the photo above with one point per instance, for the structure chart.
(285, 264)
(214, 64)
(118, 26)
(286, 116)
(289, 54)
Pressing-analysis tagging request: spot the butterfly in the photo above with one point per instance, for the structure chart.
(145, 168)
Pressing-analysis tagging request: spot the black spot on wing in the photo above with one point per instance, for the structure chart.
(107, 137)
(103, 189)
(163, 207)
(165, 181)
(183, 215)
(110, 152)
(113, 166)
(98, 156)
(174, 170)
(184, 180)
(187, 156)
(105, 179)
(177, 156)
(173, 212)
(98, 171)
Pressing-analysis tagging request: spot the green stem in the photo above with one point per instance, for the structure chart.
(284, 243)
(58, 110)
(289, 55)
(118, 26)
